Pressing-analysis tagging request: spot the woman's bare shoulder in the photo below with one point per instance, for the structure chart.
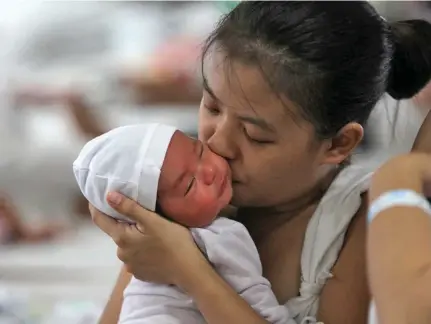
(349, 286)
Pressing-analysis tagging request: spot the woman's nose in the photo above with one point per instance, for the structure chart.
(222, 144)
(206, 173)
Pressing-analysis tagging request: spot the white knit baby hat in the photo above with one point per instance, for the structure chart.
(127, 160)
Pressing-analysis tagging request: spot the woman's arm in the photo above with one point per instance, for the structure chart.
(217, 301)
(399, 245)
(345, 298)
(167, 254)
(83, 116)
(423, 139)
(111, 313)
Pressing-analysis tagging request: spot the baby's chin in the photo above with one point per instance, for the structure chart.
(207, 215)
(207, 211)
(199, 221)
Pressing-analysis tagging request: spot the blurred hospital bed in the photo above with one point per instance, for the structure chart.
(77, 272)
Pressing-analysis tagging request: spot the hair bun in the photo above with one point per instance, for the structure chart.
(411, 61)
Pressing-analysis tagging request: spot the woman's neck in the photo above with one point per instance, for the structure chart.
(262, 221)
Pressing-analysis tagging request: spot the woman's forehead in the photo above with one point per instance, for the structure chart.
(245, 89)
(226, 75)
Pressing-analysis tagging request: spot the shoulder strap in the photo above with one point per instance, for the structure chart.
(325, 236)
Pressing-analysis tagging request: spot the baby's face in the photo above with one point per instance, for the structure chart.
(195, 183)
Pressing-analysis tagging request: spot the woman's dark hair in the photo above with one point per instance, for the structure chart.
(333, 59)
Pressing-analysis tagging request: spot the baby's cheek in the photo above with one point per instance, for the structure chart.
(202, 211)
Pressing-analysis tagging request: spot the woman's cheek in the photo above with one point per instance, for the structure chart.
(206, 127)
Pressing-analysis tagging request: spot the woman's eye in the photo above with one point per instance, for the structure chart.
(260, 142)
(257, 141)
(212, 110)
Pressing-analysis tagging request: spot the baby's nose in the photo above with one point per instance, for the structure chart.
(207, 173)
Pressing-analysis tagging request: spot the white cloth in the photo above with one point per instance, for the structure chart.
(324, 238)
(231, 251)
(372, 314)
(126, 159)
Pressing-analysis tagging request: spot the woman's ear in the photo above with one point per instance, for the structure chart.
(343, 144)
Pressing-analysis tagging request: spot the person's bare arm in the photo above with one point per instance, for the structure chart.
(216, 300)
(168, 254)
(423, 139)
(161, 90)
(19, 231)
(399, 251)
(111, 313)
(400, 258)
(81, 112)
(84, 119)
(345, 298)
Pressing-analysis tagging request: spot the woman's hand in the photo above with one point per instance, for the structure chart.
(160, 251)
(154, 249)
(408, 171)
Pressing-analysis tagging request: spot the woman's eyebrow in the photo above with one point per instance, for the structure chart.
(259, 122)
(208, 90)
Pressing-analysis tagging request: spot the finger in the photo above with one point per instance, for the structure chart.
(133, 210)
(139, 228)
(116, 230)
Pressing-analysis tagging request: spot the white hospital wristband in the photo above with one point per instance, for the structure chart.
(398, 198)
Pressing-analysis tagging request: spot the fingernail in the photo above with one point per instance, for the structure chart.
(115, 198)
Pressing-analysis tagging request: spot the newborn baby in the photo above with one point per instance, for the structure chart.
(162, 168)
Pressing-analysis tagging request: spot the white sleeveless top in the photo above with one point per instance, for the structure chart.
(324, 238)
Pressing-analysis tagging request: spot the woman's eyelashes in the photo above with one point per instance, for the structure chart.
(257, 141)
(212, 110)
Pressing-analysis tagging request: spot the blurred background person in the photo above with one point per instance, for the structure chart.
(13, 229)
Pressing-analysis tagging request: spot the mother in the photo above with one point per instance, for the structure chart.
(288, 86)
